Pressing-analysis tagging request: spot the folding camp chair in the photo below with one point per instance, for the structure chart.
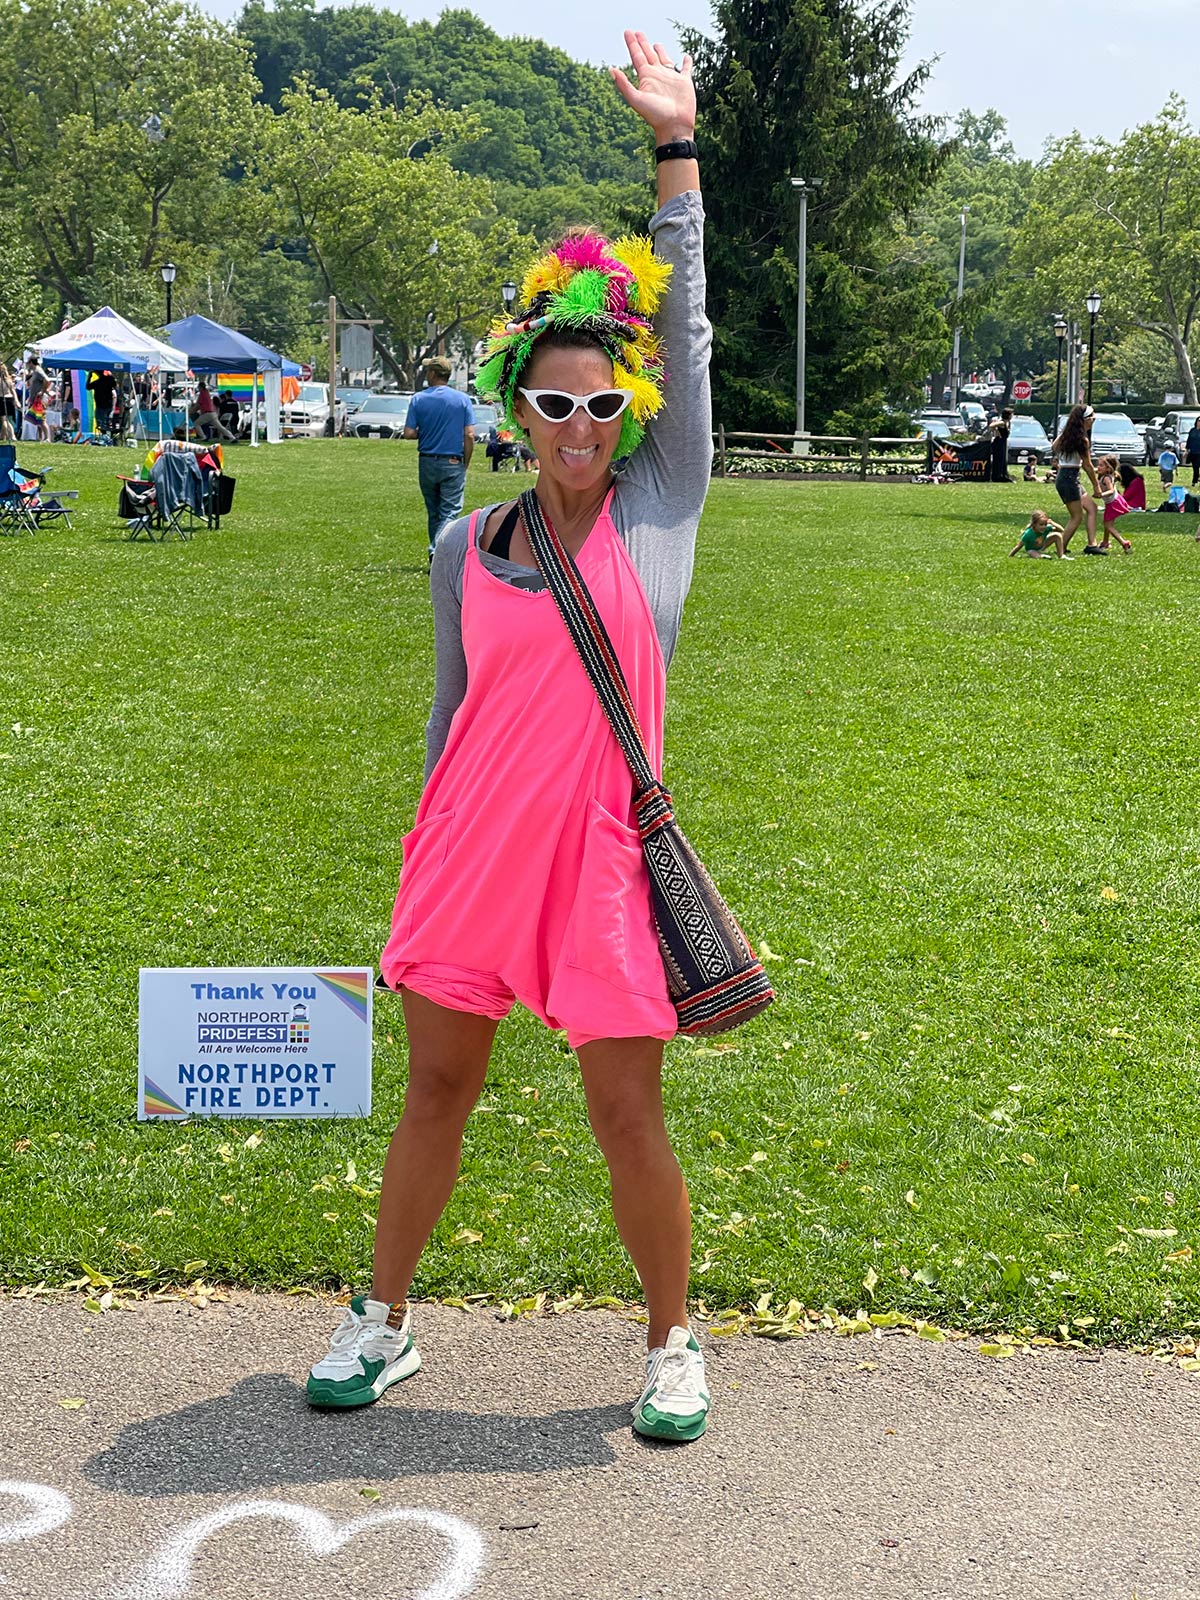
(174, 500)
(24, 503)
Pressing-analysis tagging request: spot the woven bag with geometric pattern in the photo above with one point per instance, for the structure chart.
(713, 977)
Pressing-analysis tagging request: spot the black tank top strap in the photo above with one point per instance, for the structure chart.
(502, 543)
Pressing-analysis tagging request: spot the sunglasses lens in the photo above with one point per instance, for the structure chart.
(604, 407)
(557, 407)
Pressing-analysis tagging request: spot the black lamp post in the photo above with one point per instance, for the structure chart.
(1060, 333)
(509, 291)
(168, 270)
(1093, 304)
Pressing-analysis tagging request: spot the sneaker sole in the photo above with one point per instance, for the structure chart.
(672, 1435)
(396, 1373)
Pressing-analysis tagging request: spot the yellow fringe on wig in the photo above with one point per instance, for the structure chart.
(650, 274)
(548, 273)
(647, 397)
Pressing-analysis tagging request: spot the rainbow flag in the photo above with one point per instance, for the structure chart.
(350, 988)
(156, 1103)
(241, 385)
(82, 398)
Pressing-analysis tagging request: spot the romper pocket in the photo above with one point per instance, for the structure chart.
(423, 855)
(611, 933)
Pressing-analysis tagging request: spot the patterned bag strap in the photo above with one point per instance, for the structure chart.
(595, 648)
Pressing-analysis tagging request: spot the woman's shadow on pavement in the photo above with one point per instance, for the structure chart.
(263, 1434)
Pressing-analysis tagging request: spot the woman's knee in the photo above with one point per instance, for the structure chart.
(443, 1091)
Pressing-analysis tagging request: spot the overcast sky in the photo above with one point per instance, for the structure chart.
(1047, 65)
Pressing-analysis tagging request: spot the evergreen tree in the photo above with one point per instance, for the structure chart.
(811, 88)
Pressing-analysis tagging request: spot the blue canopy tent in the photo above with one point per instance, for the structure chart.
(96, 357)
(211, 347)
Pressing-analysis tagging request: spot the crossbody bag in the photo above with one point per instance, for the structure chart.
(714, 980)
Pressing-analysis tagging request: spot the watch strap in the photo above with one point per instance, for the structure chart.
(677, 150)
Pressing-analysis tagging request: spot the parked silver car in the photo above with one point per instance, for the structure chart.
(381, 414)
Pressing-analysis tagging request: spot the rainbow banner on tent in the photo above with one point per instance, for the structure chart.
(83, 401)
(240, 385)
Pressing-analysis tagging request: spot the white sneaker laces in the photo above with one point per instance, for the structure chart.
(677, 1375)
(351, 1331)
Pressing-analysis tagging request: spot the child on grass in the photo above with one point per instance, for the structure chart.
(1040, 533)
(1115, 503)
(1029, 474)
(1168, 460)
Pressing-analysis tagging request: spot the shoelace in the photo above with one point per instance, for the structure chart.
(678, 1374)
(351, 1331)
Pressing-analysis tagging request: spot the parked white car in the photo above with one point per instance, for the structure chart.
(308, 415)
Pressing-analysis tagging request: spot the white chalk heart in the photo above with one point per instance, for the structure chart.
(50, 1510)
(169, 1574)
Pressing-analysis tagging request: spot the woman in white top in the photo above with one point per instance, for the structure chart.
(1073, 452)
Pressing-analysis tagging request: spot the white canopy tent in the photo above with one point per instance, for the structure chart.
(109, 328)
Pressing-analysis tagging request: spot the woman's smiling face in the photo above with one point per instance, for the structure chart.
(575, 453)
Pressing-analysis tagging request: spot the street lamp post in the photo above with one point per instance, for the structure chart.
(509, 291)
(802, 185)
(1060, 333)
(962, 258)
(1093, 305)
(168, 270)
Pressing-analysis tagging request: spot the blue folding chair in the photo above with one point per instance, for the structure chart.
(24, 503)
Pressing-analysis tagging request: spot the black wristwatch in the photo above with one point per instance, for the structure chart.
(677, 150)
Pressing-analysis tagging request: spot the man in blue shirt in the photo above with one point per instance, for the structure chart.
(442, 422)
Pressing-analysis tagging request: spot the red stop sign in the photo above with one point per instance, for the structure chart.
(1022, 389)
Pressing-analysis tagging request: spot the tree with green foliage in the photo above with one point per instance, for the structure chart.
(1122, 218)
(1002, 330)
(118, 124)
(24, 309)
(546, 130)
(813, 89)
(396, 233)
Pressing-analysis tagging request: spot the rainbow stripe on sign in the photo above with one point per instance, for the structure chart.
(350, 988)
(157, 1104)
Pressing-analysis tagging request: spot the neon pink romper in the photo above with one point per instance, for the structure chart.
(523, 876)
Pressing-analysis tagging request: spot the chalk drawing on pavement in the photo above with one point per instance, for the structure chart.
(49, 1509)
(169, 1574)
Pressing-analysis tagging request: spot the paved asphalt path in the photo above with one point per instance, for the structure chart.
(507, 1468)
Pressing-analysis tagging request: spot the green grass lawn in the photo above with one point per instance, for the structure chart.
(956, 796)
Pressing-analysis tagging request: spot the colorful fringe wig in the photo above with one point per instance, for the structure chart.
(608, 290)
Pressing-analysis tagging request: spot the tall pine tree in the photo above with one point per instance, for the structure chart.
(811, 88)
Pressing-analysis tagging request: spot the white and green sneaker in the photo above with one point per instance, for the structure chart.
(366, 1356)
(674, 1404)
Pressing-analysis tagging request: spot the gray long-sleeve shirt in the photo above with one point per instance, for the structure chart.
(658, 497)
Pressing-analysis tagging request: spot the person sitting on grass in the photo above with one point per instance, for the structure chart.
(1029, 474)
(1041, 533)
(1115, 503)
(1133, 486)
(70, 432)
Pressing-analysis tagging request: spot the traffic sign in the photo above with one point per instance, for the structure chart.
(1022, 389)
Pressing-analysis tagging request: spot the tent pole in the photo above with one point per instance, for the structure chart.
(254, 410)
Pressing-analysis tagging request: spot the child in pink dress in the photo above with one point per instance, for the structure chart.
(1115, 503)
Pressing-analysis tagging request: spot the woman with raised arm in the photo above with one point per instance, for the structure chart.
(524, 877)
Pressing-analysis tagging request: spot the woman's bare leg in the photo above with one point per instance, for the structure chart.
(1074, 518)
(448, 1055)
(1089, 516)
(622, 1079)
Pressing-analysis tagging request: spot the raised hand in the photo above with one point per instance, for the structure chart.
(665, 96)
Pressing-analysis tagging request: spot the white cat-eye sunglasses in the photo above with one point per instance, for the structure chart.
(555, 405)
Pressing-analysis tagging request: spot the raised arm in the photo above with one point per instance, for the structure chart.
(674, 460)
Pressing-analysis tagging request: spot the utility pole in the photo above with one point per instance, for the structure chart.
(955, 376)
(336, 322)
(800, 447)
